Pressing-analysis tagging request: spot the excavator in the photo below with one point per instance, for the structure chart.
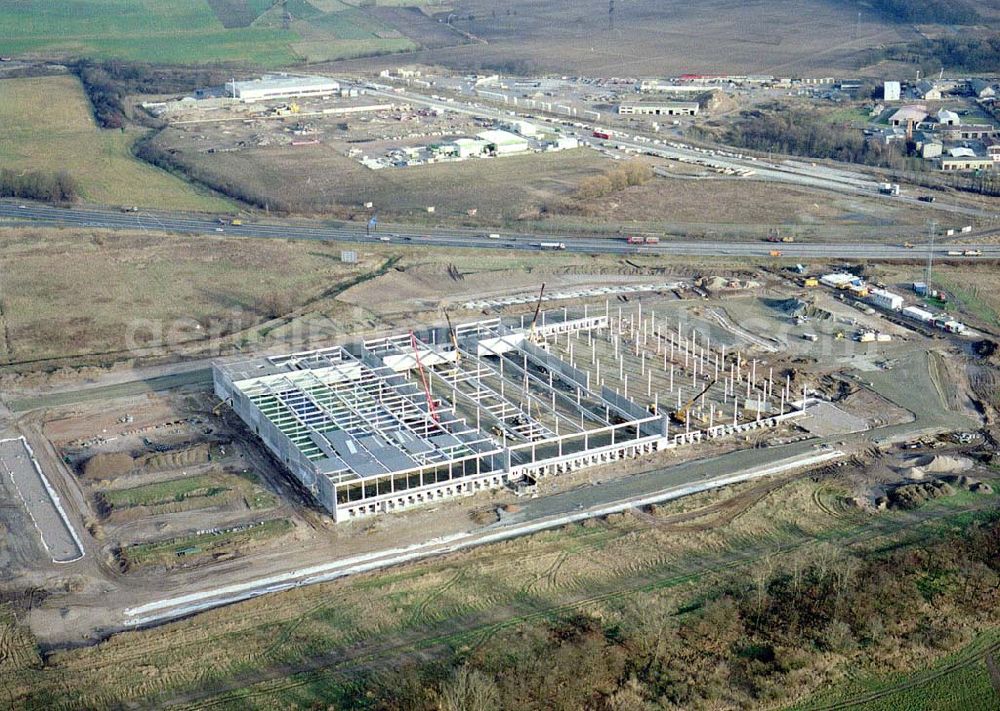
(680, 416)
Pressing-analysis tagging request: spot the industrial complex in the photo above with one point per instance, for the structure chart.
(405, 419)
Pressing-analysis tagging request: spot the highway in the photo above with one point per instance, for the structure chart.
(457, 238)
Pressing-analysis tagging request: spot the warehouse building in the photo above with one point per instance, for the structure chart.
(503, 143)
(885, 299)
(674, 108)
(954, 164)
(407, 419)
(282, 86)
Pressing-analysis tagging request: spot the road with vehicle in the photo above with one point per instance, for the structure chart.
(457, 238)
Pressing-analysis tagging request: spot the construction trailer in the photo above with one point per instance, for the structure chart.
(403, 420)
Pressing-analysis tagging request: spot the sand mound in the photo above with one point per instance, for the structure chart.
(915, 473)
(942, 463)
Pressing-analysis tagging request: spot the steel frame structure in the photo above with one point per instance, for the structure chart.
(358, 429)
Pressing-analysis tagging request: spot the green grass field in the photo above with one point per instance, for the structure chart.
(173, 551)
(189, 31)
(46, 124)
(958, 681)
(188, 493)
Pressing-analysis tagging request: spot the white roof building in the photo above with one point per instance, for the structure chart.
(916, 114)
(504, 142)
(885, 299)
(524, 128)
(918, 314)
(469, 147)
(891, 91)
(837, 279)
(928, 91)
(281, 86)
(948, 118)
(981, 88)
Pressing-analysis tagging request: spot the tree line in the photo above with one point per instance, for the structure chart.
(802, 133)
(959, 53)
(946, 12)
(108, 82)
(38, 185)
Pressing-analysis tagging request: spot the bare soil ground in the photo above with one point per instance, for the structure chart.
(76, 292)
(322, 180)
(686, 206)
(650, 38)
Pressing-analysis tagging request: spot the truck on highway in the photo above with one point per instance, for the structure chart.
(493, 235)
(642, 239)
(972, 253)
(552, 245)
(775, 253)
(889, 189)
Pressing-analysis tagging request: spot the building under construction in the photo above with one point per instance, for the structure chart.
(402, 420)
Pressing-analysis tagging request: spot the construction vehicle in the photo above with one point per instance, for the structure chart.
(680, 416)
(218, 408)
(775, 253)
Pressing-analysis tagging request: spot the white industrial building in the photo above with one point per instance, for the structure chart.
(282, 86)
(503, 142)
(885, 299)
(468, 147)
(891, 91)
(566, 142)
(673, 108)
(655, 87)
(524, 128)
(918, 314)
(948, 118)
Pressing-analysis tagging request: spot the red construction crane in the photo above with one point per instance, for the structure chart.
(431, 407)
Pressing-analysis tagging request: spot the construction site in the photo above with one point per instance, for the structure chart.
(397, 421)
